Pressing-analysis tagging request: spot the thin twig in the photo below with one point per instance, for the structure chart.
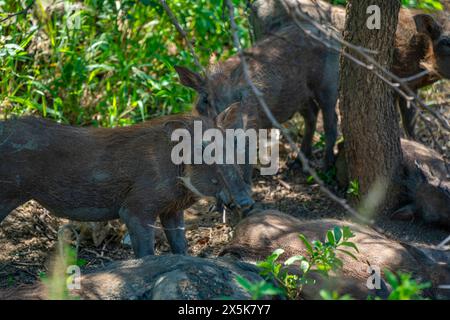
(443, 243)
(24, 11)
(189, 42)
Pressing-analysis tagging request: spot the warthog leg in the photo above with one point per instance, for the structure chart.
(173, 224)
(409, 117)
(309, 114)
(328, 102)
(141, 227)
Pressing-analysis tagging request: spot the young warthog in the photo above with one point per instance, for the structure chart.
(426, 184)
(95, 174)
(257, 236)
(422, 41)
(292, 74)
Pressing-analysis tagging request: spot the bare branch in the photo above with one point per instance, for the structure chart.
(24, 11)
(189, 43)
(190, 46)
(443, 243)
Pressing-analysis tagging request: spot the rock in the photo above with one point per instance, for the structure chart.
(257, 236)
(169, 277)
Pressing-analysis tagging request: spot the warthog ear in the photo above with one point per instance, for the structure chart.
(426, 24)
(190, 78)
(231, 118)
(421, 255)
(404, 213)
(172, 125)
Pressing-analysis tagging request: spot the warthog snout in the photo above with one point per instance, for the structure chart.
(243, 203)
(237, 194)
(442, 52)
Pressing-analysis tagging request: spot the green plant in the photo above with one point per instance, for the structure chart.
(321, 143)
(353, 188)
(105, 62)
(334, 295)
(11, 280)
(404, 287)
(260, 289)
(329, 176)
(419, 4)
(321, 258)
(56, 282)
(423, 4)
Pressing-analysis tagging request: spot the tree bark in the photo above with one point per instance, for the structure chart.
(370, 122)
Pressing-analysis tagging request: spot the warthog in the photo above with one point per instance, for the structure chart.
(289, 71)
(422, 42)
(97, 174)
(257, 236)
(426, 184)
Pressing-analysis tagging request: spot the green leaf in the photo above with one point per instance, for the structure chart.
(330, 237)
(337, 234)
(347, 233)
(81, 262)
(350, 244)
(304, 266)
(244, 283)
(306, 243)
(348, 253)
(391, 279)
(270, 290)
(293, 259)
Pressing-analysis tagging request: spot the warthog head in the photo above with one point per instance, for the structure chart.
(223, 182)
(431, 197)
(219, 93)
(440, 37)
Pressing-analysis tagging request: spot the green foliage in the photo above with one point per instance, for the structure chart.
(11, 281)
(353, 188)
(321, 258)
(423, 4)
(419, 4)
(328, 176)
(321, 143)
(339, 2)
(106, 62)
(260, 289)
(57, 280)
(334, 295)
(403, 287)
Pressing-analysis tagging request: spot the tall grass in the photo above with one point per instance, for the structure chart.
(104, 62)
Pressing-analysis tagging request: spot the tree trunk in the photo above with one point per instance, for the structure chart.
(370, 123)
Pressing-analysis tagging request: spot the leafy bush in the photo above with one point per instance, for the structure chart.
(321, 258)
(105, 62)
(420, 4)
(403, 287)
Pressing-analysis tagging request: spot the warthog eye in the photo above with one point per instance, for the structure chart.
(445, 42)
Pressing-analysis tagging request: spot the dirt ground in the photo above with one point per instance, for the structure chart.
(28, 236)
